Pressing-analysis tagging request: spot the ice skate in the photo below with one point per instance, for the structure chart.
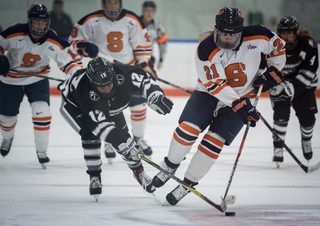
(95, 187)
(278, 156)
(109, 152)
(6, 146)
(161, 178)
(43, 158)
(307, 149)
(143, 146)
(177, 194)
(144, 180)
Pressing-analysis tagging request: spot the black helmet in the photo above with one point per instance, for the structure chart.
(101, 73)
(38, 12)
(149, 4)
(229, 21)
(288, 23)
(111, 14)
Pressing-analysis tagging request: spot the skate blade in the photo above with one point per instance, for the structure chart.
(230, 199)
(166, 203)
(44, 165)
(96, 197)
(110, 161)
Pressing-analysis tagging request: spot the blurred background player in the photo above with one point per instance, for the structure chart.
(120, 34)
(29, 48)
(93, 104)
(60, 21)
(298, 90)
(227, 60)
(155, 30)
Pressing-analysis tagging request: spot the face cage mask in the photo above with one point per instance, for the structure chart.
(111, 93)
(112, 14)
(38, 34)
(224, 45)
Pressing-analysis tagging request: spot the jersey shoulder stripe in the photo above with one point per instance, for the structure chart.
(207, 49)
(55, 39)
(256, 32)
(134, 16)
(95, 14)
(16, 30)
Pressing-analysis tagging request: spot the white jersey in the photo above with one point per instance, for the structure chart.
(125, 39)
(228, 75)
(27, 56)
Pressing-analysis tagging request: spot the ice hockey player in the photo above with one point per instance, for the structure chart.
(120, 34)
(93, 104)
(298, 88)
(29, 48)
(227, 60)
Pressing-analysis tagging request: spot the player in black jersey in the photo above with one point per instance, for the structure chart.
(298, 89)
(93, 103)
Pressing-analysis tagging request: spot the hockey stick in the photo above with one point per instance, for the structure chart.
(159, 79)
(242, 144)
(40, 76)
(222, 207)
(307, 169)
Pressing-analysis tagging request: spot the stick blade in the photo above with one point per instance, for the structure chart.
(313, 168)
(230, 199)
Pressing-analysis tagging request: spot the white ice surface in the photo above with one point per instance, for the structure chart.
(32, 196)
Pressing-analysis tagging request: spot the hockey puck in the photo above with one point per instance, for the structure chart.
(230, 214)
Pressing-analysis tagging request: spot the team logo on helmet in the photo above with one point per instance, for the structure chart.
(93, 95)
(120, 79)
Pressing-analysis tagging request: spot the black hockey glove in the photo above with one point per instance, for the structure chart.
(160, 103)
(270, 78)
(245, 111)
(4, 65)
(129, 150)
(87, 49)
(282, 92)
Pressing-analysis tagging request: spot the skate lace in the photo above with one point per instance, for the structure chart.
(6, 143)
(306, 146)
(142, 143)
(42, 155)
(179, 192)
(278, 152)
(145, 180)
(95, 183)
(163, 176)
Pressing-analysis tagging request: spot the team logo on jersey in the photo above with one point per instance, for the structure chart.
(120, 79)
(312, 43)
(51, 48)
(130, 23)
(93, 95)
(250, 47)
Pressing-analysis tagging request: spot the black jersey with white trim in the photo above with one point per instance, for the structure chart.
(302, 63)
(78, 91)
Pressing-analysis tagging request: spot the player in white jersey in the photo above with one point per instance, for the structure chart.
(227, 60)
(156, 31)
(120, 34)
(28, 48)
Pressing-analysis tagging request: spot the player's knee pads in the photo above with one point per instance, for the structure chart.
(41, 115)
(306, 120)
(211, 145)
(183, 138)
(281, 112)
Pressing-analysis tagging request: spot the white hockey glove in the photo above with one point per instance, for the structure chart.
(283, 91)
(160, 103)
(129, 150)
